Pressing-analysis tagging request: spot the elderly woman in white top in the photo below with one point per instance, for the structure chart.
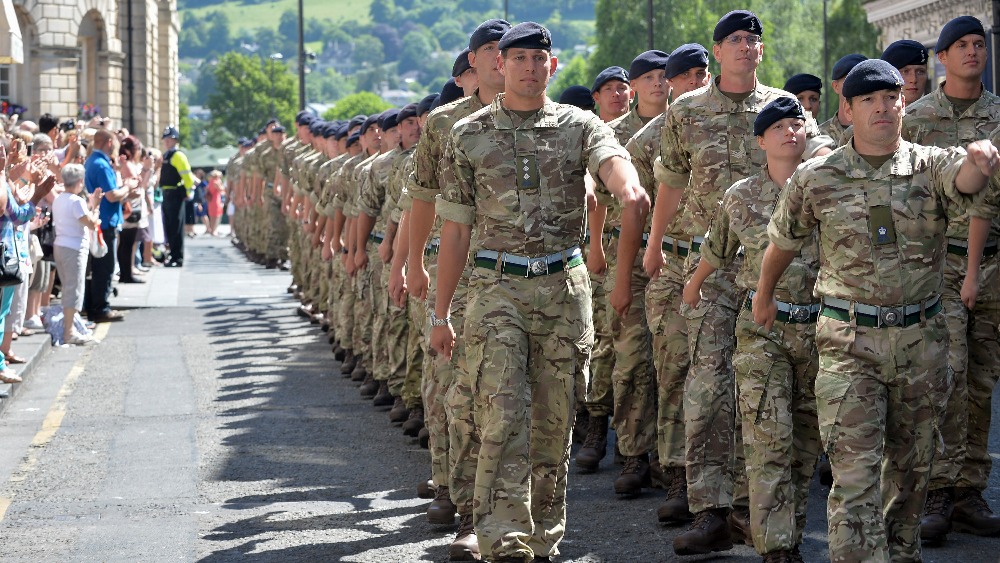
(73, 216)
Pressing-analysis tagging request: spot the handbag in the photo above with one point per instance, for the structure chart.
(98, 248)
(10, 264)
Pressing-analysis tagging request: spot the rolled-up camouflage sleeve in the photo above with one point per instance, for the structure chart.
(721, 243)
(599, 145)
(427, 161)
(945, 164)
(372, 196)
(793, 221)
(673, 167)
(457, 202)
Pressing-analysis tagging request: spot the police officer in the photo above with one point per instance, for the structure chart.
(177, 183)
(528, 325)
(880, 205)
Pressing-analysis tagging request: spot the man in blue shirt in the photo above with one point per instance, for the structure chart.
(101, 174)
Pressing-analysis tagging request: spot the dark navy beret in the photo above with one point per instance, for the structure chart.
(957, 29)
(802, 82)
(905, 52)
(645, 62)
(607, 75)
(354, 138)
(372, 120)
(737, 20)
(341, 132)
(302, 115)
(406, 112)
(356, 121)
(388, 119)
(578, 96)
(776, 110)
(461, 64)
(527, 35)
(685, 57)
(871, 76)
(450, 92)
(278, 129)
(489, 30)
(244, 142)
(845, 64)
(331, 130)
(425, 104)
(263, 131)
(316, 127)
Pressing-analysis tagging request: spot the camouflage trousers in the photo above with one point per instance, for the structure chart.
(379, 368)
(776, 374)
(397, 338)
(633, 376)
(527, 341)
(277, 229)
(363, 318)
(876, 392)
(600, 397)
(419, 336)
(716, 471)
(347, 299)
(335, 288)
(973, 356)
(671, 358)
(296, 240)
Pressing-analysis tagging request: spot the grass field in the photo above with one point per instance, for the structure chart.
(268, 14)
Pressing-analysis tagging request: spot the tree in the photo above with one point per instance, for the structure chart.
(242, 98)
(184, 125)
(574, 73)
(365, 103)
(368, 51)
(382, 11)
(418, 47)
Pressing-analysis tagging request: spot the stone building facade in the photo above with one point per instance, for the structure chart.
(118, 55)
(921, 20)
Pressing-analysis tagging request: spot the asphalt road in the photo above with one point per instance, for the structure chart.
(213, 425)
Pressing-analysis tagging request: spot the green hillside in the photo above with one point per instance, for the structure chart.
(251, 15)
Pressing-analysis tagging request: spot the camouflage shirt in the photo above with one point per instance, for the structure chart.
(425, 184)
(326, 184)
(707, 145)
(341, 181)
(401, 170)
(268, 161)
(931, 121)
(881, 232)
(521, 183)
(352, 187)
(833, 128)
(742, 221)
(624, 127)
(372, 201)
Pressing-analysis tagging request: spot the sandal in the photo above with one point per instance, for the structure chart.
(14, 359)
(27, 332)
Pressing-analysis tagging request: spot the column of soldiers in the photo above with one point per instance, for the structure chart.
(736, 289)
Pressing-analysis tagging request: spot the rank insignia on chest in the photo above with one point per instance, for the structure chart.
(527, 172)
(881, 224)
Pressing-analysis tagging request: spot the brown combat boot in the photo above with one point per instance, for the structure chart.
(441, 510)
(339, 353)
(347, 367)
(972, 515)
(739, 525)
(359, 374)
(595, 445)
(675, 509)
(399, 412)
(656, 475)
(466, 544)
(369, 387)
(780, 556)
(634, 477)
(708, 533)
(580, 426)
(414, 423)
(936, 521)
(426, 489)
(382, 398)
(424, 438)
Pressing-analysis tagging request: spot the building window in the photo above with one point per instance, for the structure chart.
(6, 73)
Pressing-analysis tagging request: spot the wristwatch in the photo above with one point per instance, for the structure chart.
(439, 322)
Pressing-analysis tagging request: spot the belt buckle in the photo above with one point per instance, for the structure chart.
(537, 267)
(890, 316)
(799, 314)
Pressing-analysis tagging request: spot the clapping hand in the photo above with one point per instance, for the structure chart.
(94, 199)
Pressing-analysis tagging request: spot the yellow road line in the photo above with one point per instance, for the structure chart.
(53, 420)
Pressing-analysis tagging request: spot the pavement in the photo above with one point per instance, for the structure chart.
(213, 425)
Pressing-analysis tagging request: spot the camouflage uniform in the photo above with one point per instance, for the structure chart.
(417, 356)
(371, 202)
(974, 343)
(882, 243)
(707, 144)
(276, 245)
(334, 270)
(527, 338)
(776, 370)
(404, 351)
(834, 129)
(632, 372)
(311, 257)
(446, 388)
(364, 305)
(256, 237)
(663, 303)
(234, 170)
(349, 293)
